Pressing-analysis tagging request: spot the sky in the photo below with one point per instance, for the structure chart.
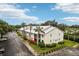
(17, 13)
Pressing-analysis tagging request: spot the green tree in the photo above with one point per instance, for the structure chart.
(38, 29)
(4, 27)
(23, 24)
(50, 22)
(30, 30)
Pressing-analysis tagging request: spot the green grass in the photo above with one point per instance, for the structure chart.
(39, 50)
(45, 49)
(70, 43)
(67, 43)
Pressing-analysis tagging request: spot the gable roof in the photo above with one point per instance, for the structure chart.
(45, 29)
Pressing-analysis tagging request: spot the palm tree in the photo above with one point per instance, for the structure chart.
(30, 31)
(38, 29)
(74, 33)
(23, 25)
(24, 28)
(2, 32)
(69, 32)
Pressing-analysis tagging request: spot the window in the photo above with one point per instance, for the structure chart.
(31, 33)
(59, 34)
(50, 40)
(42, 35)
(50, 35)
(56, 40)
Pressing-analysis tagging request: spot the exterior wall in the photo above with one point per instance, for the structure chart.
(27, 34)
(20, 31)
(32, 36)
(53, 36)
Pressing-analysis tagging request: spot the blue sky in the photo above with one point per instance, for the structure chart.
(40, 12)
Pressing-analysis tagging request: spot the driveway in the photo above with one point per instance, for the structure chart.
(15, 47)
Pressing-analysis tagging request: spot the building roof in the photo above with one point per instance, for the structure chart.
(45, 29)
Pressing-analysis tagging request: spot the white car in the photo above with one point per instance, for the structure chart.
(2, 49)
(3, 39)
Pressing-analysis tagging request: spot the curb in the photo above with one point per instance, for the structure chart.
(28, 47)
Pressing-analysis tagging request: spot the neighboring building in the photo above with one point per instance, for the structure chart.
(49, 34)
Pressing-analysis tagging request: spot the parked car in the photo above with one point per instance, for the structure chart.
(3, 39)
(2, 49)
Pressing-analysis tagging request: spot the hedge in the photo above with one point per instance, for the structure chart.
(51, 45)
(62, 42)
(71, 37)
(52, 50)
(41, 44)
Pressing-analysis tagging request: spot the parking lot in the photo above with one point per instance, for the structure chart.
(67, 51)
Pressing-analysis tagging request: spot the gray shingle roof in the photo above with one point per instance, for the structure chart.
(44, 29)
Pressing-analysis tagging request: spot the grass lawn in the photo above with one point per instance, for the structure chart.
(70, 43)
(45, 49)
(39, 50)
(67, 43)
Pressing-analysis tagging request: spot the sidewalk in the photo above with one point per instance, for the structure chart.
(76, 45)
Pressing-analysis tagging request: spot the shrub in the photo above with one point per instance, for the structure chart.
(71, 37)
(32, 42)
(41, 44)
(39, 41)
(65, 36)
(51, 45)
(24, 37)
(19, 33)
(48, 45)
(54, 44)
(62, 42)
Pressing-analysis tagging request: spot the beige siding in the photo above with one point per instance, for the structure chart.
(32, 36)
(54, 36)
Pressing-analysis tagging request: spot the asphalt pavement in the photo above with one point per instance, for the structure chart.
(14, 46)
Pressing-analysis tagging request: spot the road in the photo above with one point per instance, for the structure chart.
(15, 47)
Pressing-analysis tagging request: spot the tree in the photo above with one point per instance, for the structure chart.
(2, 32)
(74, 33)
(23, 24)
(49, 22)
(69, 32)
(38, 29)
(62, 26)
(4, 27)
(55, 24)
(30, 30)
(41, 44)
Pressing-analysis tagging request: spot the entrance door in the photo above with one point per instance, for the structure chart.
(35, 37)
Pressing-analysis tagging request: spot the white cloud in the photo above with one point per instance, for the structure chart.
(12, 11)
(72, 19)
(67, 7)
(27, 10)
(34, 6)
